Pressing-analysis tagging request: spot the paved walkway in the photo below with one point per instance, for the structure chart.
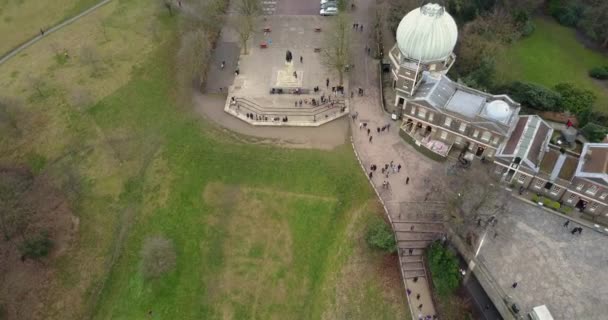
(24, 46)
(416, 222)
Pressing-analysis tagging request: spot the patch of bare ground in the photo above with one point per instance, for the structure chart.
(30, 205)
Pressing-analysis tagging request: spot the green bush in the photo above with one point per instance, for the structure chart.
(36, 247)
(566, 12)
(594, 132)
(443, 265)
(574, 99)
(380, 236)
(535, 198)
(534, 96)
(599, 73)
(565, 209)
(547, 202)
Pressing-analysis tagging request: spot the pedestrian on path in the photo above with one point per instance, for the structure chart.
(574, 230)
(408, 291)
(361, 28)
(418, 296)
(371, 174)
(370, 139)
(411, 251)
(412, 228)
(327, 83)
(566, 223)
(41, 32)
(301, 59)
(368, 131)
(420, 306)
(388, 127)
(407, 180)
(399, 167)
(514, 285)
(378, 129)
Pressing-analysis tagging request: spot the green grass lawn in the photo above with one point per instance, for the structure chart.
(551, 55)
(260, 231)
(21, 20)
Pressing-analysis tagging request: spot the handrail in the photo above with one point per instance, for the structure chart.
(241, 102)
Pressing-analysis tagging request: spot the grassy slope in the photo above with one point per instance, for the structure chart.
(21, 20)
(146, 166)
(551, 55)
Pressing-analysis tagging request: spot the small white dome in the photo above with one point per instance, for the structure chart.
(427, 33)
(498, 110)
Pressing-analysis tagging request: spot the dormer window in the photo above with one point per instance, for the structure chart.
(448, 121)
(485, 136)
(422, 113)
(463, 127)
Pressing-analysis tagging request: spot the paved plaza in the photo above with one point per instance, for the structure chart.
(550, 265)
(264, 68)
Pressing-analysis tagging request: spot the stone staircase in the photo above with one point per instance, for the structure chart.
(416, 225)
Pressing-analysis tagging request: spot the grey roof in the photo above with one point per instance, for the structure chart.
(471, 105)
(528, 141)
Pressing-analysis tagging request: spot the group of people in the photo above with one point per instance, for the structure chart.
(575, 230)
(358, 27)
(420, 317)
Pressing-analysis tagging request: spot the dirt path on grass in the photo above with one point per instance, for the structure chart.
(39, 37)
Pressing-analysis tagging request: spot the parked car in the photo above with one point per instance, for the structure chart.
(329, 11)
(327, 4)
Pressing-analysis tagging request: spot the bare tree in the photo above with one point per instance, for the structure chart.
(245, 22)
(192, 59)
(336, 52)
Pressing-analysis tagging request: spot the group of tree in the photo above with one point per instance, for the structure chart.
(443, 265)
(588, 16)
(380, 236)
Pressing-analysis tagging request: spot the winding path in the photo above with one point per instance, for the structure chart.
(39, 37)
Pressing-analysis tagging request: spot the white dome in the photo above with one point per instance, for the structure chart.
(427, 33)
(498, 110)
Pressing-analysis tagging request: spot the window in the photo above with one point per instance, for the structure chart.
(444, 135)
(604, 195)
(580, 186)
(495, 140)
(413, 111)
(521, 178)
(458, 140)
(593, 206)
(431, 116)
(448, 121)
(592, 190)
(463, 127)
(555, 190)
(571, 198)
(422, 113)
(486, 136)
(432, 67)
(538, 184)
(475, 133)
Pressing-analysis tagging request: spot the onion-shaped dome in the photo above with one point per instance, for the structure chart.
(427, 33)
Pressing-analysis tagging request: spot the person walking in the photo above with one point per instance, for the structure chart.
(398, 167)
(370, 139)
(411, 251)
(368, 131)
(327, 83)
(574, 230)
(418, 296)
(514, 285)
(361, 28)
(223, 65)
(301, 59)
(566, 223)
(420, 307)
(407, 180)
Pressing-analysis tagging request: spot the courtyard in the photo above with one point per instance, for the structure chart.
(550, 265)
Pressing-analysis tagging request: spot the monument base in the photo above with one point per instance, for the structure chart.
(287, 79)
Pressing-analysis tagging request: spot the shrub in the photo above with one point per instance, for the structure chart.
(444, 269)
(566, 12)
(535, 198)
(36, 247)
(158, 257)
(599, 73)
(594, 132)
(380, 236)
(534, 96)
(574, 99)
(565, 209)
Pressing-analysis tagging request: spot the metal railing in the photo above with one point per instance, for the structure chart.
(247, 109)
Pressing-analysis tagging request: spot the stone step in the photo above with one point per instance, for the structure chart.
(408, 274)
(413, 258)
(407, 220)
(413, 244)
(419, 227)
(420, 236)
(409, 266)
(405, 252)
